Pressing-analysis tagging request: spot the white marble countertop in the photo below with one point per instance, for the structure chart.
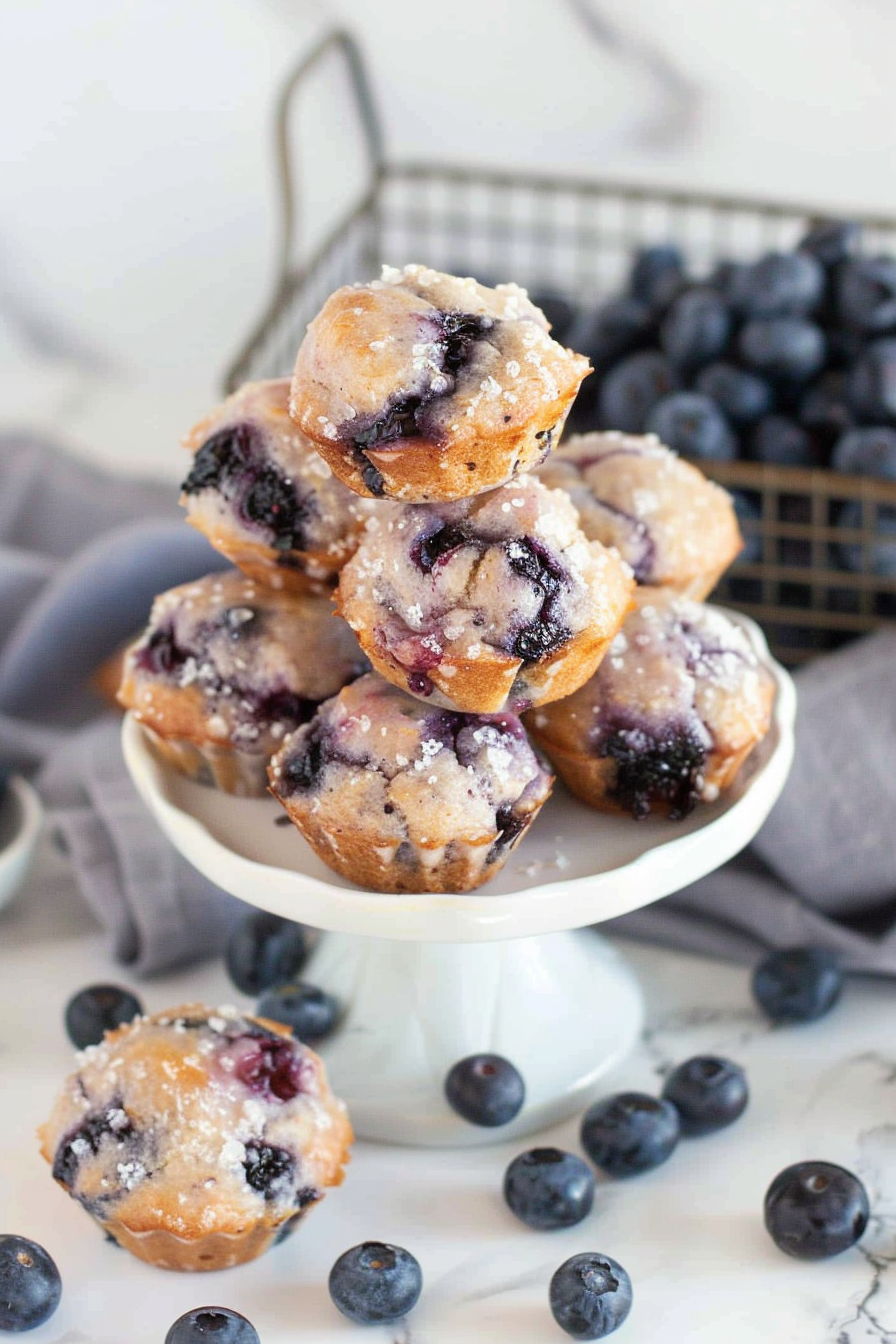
(690, 1234)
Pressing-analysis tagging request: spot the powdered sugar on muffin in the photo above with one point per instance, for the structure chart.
(401, 796)
(226, 663)
(196, 1125)
(674, 527)
(669, 717)
(481, 604)
(264, 496)
(425, 386)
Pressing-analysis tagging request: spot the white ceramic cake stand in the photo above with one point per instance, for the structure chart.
(426, 980)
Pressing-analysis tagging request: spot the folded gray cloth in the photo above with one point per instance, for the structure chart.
(81, 557)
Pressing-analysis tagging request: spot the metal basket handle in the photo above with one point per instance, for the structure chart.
(342, 41)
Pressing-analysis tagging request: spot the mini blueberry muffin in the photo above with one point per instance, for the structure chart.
(226, 668)
(422, 386)
(397, 796)
(197, 1138)
(674, 527)
(264, 496)
(670, 716)
(497, 602)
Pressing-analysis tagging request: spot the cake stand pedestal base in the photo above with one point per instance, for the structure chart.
(564, 1008)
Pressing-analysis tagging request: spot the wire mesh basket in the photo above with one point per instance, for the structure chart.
(819, 564)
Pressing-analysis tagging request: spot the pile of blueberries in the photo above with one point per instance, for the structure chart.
(813, 1209)
(789, 360)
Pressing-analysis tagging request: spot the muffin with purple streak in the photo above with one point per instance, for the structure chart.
(669, 718)
(226, 668)
(675, 528)
(198, 1137)
(423, 386)
(485, 604)
(265, 498)
(400, 796)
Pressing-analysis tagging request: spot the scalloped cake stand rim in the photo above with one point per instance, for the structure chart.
(663, 865)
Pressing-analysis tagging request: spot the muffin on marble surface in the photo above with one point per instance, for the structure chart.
(263, 495)
(197, 1137)
(491, 603)
(423, 386)
(400, 796)
(226, 668)
(677, 705)
(675, 528)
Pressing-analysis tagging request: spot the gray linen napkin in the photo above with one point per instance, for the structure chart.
(83, 554)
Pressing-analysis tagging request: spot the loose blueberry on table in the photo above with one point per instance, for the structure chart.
(630, 1132)
(798, 984)
(30, 1285)
(375, 1283)
(93, 1011)
(814, 1210)
(708, 1092)
(547, 1188)
(590, 1296)
(218, 1324)
(263, 951)
(486, 1090)
(309, 1012)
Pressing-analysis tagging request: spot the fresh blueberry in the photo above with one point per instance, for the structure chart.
(725, 276)
(309, 1012)
(93, 1011)
(693, 426)
(866, 294)
(742, 397)
(590, 1296)
(780, 284)
(780, 442)
(621, 325)
(657, 274)
(375, 1283)
(782, 348)
(630, 1132)
(558, 310)
(814, 1210)
(823, 410)
(30, 1285)
(749, 516)
(695, 329)
(265, 950)
(631, 390)
(485, 1089)
(881, 557)
(831, 241)
(798, 984)
(867, 452)
(218, 1324)
(548, 1188)
(871, 383)
(708, 1092)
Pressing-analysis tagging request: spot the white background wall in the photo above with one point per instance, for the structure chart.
(137, 211)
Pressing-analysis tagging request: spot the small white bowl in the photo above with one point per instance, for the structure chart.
(21, 818)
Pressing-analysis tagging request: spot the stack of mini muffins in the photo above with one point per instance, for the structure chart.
(409, 468)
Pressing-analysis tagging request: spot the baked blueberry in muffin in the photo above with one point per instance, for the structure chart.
(674, 527)
(491, 603)
(197, 1137)
(670, 716)
(401, 796)
(264, 496)
(226, 668)
(423, 386)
